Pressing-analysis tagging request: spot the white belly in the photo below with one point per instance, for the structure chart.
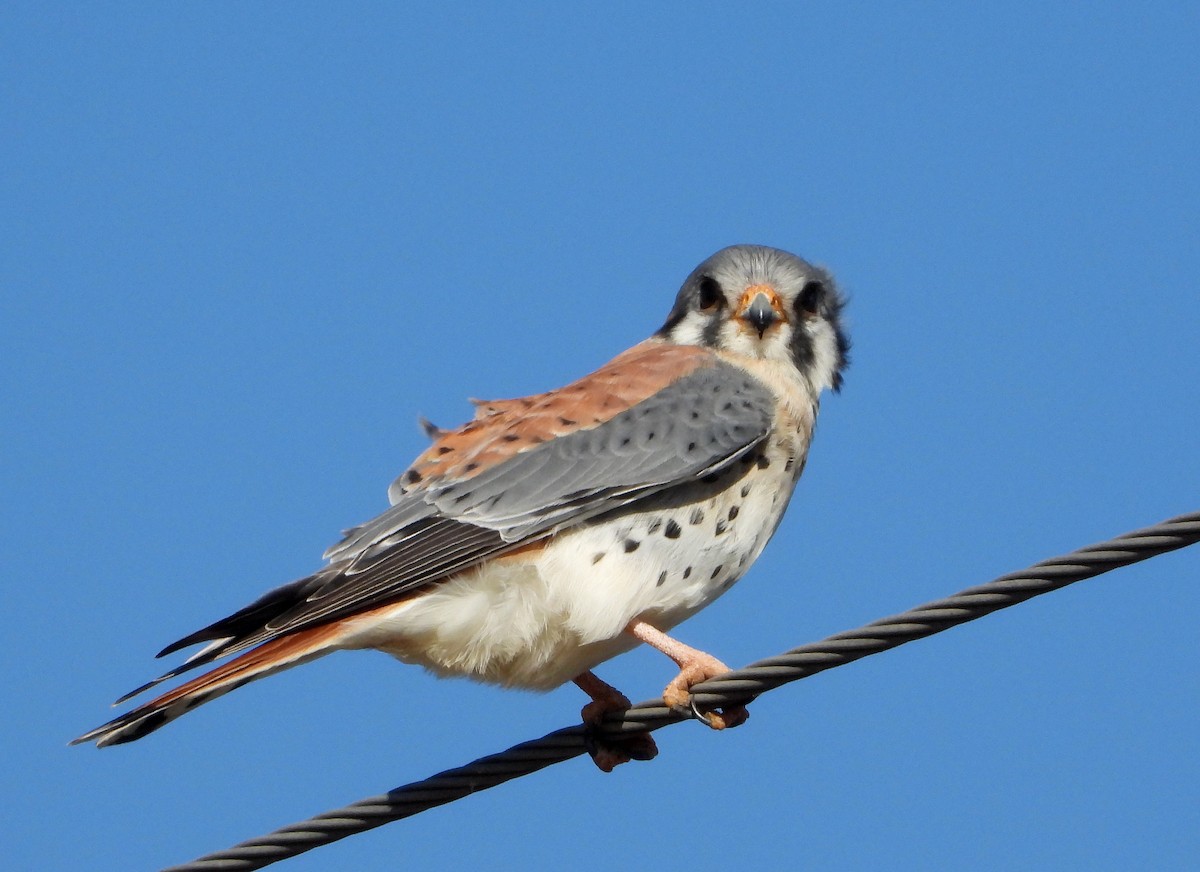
(541, 620)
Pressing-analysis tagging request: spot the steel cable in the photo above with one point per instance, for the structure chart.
(733, 688)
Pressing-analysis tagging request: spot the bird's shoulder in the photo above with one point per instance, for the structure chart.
(504, 428)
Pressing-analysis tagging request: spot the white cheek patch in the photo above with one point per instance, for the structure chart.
(732, 339)
(825, 353)
(778, 344)
(689, 331)
(737, 337)
(774, 346)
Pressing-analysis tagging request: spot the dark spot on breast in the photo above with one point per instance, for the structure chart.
(631, 545)
(763, 462)
(721, 528)
(673, 530)
(412, 476)
(458, 499)
(687, 572)
(745, 491)
(662, 577)
(654, 525)
(624, 441)
(471, 467)
(444, 449)
(510, 437)
(787, 467)
(566, 422)
(697, 516)
(733, 512)
(691, 446)
(717, 571)
(597, 557)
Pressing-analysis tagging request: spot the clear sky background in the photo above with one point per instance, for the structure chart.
(245, 245)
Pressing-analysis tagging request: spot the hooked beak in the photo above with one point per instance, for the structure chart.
(760, 308)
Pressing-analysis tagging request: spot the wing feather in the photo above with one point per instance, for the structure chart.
(698, 423)
(694, 426)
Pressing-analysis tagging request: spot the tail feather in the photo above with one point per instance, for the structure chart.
(202, 657)
(268, 658)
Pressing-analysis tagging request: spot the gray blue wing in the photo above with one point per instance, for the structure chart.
(691, 427)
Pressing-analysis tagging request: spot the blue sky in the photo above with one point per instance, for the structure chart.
(248, 244)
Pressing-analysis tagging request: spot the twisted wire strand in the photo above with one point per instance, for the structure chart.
(738, 686)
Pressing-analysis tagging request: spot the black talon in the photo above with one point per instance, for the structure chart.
(635, 746)
(640, 747)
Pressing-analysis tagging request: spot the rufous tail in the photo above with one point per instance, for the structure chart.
(267, 659)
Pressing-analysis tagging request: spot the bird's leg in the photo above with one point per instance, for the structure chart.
(694, 667)
(609, 753)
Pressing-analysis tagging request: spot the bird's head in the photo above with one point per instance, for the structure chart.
(764, 303)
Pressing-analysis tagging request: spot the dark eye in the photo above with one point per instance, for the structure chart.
(710, 294)
(808, 303)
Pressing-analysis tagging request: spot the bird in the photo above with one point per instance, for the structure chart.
(553, 532)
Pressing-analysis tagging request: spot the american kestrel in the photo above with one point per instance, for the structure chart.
(555, 531)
